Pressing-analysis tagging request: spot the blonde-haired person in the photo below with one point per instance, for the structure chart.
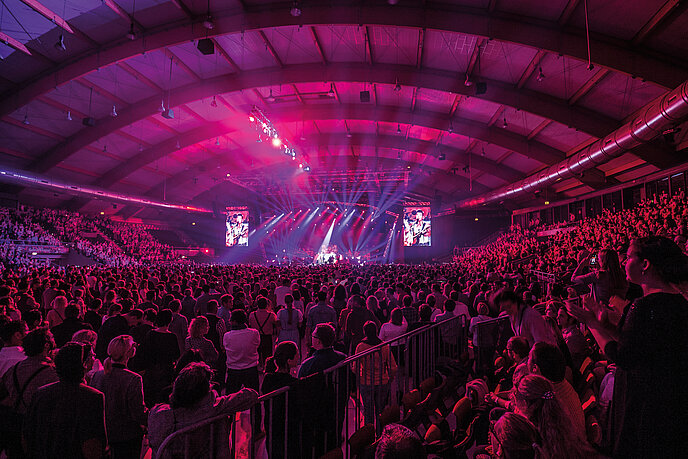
(125, 413)
(198, 328)
(515, 437)
(89, 337)
(534, 398)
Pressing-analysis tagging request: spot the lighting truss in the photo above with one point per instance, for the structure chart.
(267, 131)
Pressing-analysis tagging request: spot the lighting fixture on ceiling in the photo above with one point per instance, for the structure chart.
(60, 44)
(113, 113)
(213, 103)
(69, 116)
(140, 147)
(331, 91)
(306, 168)
(208, 23)
(398, 129)
(467, 81)
(26, 120)
(217, 142)
(131, 35)
(177, 145)
(348, 133)
(451, 127)
(540, 76)
(397, 87)
(104, 148)
(295, 9)
(303, 137)
(504, 123)
(442, 157)
(271, 98)
(162, 106)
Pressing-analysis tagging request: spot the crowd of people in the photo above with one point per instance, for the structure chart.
(110, 356)
(110, 243)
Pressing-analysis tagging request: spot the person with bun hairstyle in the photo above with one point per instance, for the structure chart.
(125, 412)
(535, 399)
(650, 350)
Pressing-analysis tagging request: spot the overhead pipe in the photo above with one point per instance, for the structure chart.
(41, 181)
(651, 121)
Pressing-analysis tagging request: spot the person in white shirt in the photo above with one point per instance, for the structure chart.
(281, 292)
(12, 335)
(241, 345)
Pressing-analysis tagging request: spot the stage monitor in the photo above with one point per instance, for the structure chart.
(236, 227)
(417, 225)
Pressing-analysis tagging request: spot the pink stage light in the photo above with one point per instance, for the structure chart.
(251, 118)
(300, 166)
(276, 142)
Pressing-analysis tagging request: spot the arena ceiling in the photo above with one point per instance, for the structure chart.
(427, 126)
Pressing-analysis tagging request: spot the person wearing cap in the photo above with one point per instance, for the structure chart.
(325, 356)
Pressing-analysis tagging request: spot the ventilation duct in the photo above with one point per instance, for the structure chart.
(650, 122)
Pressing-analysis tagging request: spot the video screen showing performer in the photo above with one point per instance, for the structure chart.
(417, 226)
(236, 233)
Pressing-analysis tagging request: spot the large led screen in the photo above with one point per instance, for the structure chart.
(236, 232)
(417, 225)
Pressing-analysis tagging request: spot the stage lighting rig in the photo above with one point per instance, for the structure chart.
(266, 130)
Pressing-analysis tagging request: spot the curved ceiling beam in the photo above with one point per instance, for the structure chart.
(499, 93)
(474, 129)
(505, 27)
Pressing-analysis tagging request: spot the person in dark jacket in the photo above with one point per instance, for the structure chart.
(125, 412)
(70, 325)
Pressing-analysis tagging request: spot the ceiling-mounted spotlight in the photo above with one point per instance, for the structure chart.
(331, 91)
(131, 35)
(69, 116)
(177, 145)
(208, 23)
(162, 106)
(442, 157)
(399, 129)
(104, 148)
(451, 127)
(467, 81)
(295, 9)
(306, 168)
(217, 142)
(303, 137)
(397, 87)
(113, 113)
(60, 45)
(140, 147)
(540, 76)
(213, 103)
(504, 123)
(26, 120)
(271, 98)
(348, 133)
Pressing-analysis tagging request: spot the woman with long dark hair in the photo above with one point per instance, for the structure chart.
(289, 319)
(277, 375)
(650, 350)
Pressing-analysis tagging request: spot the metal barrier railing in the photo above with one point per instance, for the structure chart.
(315, 415)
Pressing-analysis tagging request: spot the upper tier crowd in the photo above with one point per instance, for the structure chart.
(108, 242)
(107, 357)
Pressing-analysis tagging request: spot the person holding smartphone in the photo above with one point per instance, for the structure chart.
(606, 277)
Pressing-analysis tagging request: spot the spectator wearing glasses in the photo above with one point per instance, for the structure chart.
(325, 356)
